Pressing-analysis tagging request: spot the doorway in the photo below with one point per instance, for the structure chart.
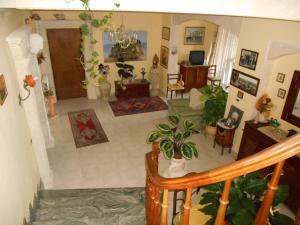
(64, 45)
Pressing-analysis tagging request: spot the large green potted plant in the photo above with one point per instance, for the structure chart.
(214, 99)
(173, 141)
(246, 196)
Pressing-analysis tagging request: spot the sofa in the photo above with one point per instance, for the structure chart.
(187, 109)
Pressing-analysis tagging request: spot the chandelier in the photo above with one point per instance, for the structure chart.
(122, 36)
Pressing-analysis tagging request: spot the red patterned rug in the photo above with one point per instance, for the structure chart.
(86, 128)
(137, 105)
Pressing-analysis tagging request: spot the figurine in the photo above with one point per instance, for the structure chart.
(155, 61)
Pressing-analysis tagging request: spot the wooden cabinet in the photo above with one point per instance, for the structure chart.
(254, 141)
(194, 76)
(224, 137)
(136, 89)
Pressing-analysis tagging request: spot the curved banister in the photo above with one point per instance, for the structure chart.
(272, 155)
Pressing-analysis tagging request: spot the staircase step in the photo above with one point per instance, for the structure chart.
(107, 206)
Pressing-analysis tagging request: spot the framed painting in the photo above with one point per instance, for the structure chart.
(164, 56)
(165, 33)
(281, 93)
(280, 77)
(3, 90)
(248, 59)
(194, 35)
(235, 115)
(135, 52)
(244, 82)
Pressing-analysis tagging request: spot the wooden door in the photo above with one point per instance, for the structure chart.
(64, 45)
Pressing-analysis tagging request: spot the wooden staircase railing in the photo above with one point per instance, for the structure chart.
(274, 155)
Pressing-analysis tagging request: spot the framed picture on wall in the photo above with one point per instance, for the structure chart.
(3, 90)
(194, 35)
(280, 77)
(165, 33)
(281, 93)
(164, 56)
(244, 82)
(248, 59)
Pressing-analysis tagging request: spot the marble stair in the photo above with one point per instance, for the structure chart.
(113, 206)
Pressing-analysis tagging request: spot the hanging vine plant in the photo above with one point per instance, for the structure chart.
(90, 22)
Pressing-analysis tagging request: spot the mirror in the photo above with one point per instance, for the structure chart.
(291, 110)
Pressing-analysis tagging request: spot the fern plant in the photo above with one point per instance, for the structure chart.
(172, 141)
(245, 200)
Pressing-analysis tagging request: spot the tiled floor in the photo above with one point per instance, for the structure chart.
(120, 162)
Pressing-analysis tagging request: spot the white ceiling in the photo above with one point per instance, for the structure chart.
(277, 9)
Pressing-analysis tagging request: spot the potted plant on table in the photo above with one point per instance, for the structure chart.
(172, 141)
(214, 99)
(245, 200)
(125, 72)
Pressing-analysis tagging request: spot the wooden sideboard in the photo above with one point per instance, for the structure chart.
(254, 141)
(194, 76)
(135, 89)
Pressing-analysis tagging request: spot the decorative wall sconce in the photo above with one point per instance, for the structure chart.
(29, 82)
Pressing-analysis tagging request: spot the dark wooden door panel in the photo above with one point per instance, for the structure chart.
(64, 45)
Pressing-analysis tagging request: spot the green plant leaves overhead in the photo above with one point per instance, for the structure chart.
(210, 209)
(174, 120)
(282, 194)
(242, 217)
(280, 219)
(84, 28)
(95, 23)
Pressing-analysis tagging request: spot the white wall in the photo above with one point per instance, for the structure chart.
(19, 174)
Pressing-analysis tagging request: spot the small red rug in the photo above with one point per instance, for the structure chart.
(130, 106)
(86, 128)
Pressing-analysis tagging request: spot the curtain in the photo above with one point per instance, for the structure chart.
(224, 55)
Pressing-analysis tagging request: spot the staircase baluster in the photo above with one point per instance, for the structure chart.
(149, 200)
(156, 206)
(224, 201)
(164, 205)
(263, 213)
(187, 207)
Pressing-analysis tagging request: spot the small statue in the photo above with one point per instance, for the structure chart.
(143, 72)
(155, 61)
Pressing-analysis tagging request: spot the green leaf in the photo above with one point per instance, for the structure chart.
(217, 187)
(90, 69)
(84, 16)
(166, 145)
(194, 148)
(178, 136)
(210, 209)
(169, 154)
(153, 136)
(174, 120)
(186, 134)
(243, 217)
(187, 124)
(233, 207)
(90, 60)
(211, 221)
(256, 186)
(95, 23)
(117, 5)
(84, 28)
(209, 197)
(280, 219)
(281, 194)
(81, 50)
(94, 41)
(186, 151)
(96, 62)
(249, 205)
(163, 127)
(93, 74)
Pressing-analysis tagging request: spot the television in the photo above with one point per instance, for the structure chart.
(196, 57)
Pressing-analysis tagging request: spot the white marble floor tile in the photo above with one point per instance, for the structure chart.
(121, 161)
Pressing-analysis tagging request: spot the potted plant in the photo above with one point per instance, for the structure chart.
(102, 83)
(172, 141)
(49, 94)
(214, 99)
(245, 200)
(125, 72)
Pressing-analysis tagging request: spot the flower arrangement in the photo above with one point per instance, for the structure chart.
(263, 106)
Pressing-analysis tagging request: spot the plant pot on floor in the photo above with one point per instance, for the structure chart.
(51, 112)
(211, 130)
(104, 89)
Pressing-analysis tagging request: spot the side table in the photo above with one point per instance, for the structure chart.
(224, 137)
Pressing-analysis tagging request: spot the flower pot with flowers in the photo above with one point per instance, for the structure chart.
(263, 106)
(49, 94)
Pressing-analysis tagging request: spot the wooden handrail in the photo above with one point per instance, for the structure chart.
(272, 155)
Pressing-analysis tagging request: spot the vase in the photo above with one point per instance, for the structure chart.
(177, 168)
(211, 130)
(104, 89)
(51, 112)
